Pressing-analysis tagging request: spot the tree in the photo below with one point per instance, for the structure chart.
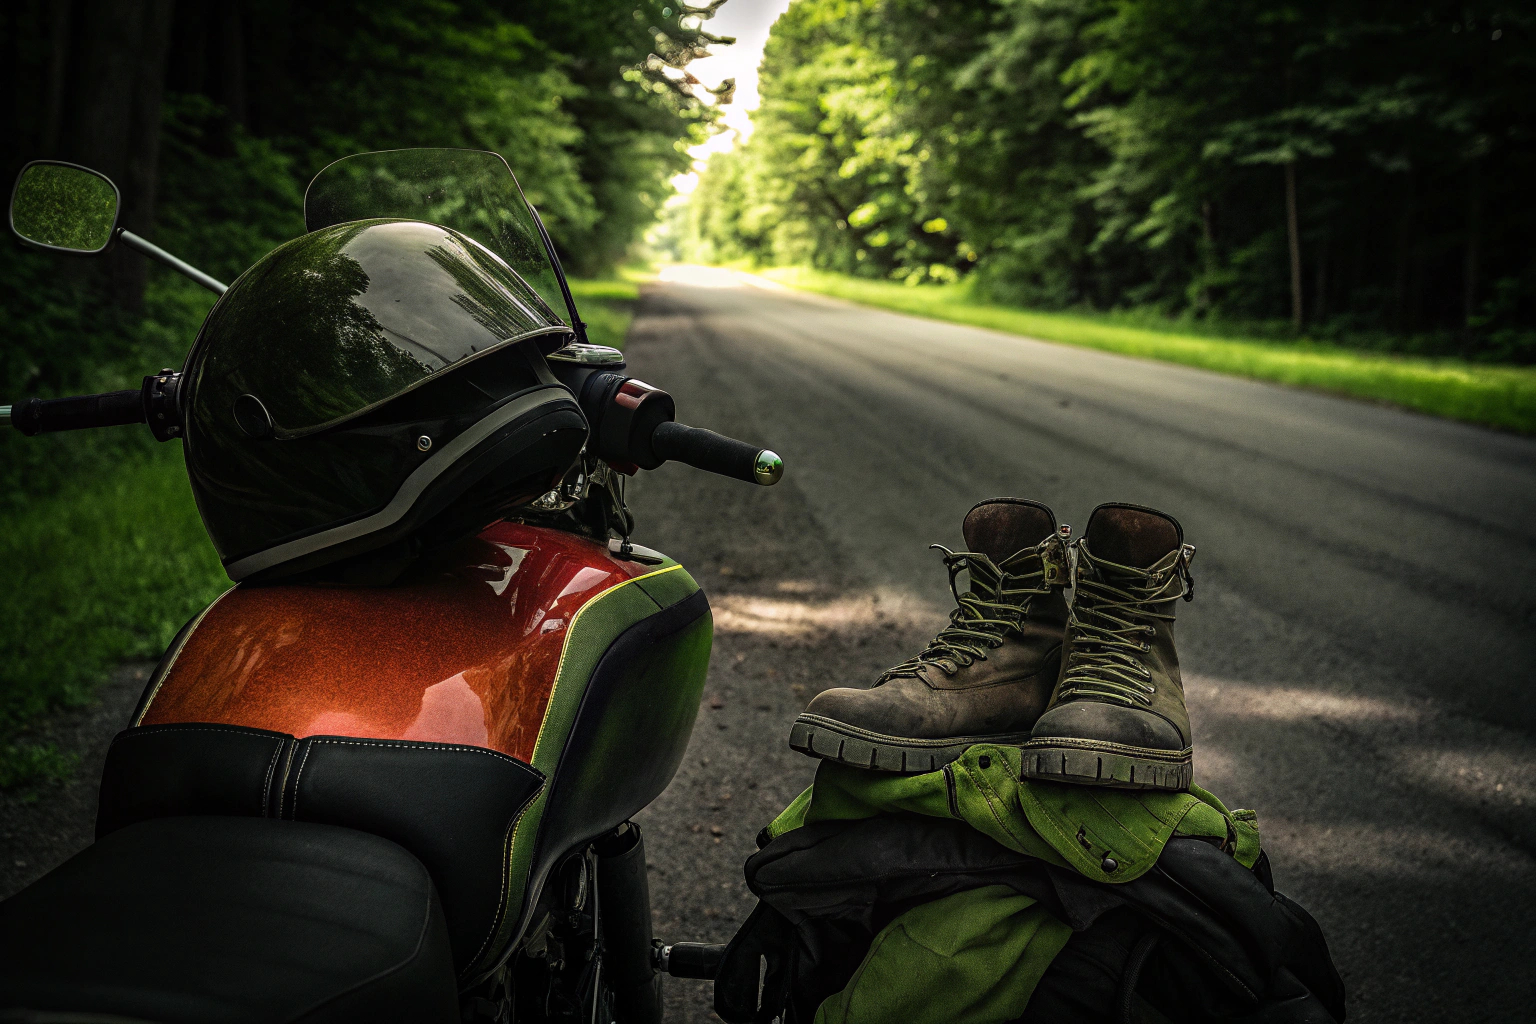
(1319, 167)
(212, 117)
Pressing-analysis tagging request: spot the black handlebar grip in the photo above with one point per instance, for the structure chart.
(693, 959)
(45, 415)
(715, 453)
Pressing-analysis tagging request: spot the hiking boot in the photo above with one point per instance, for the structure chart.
(1117, 717)
(987, 675)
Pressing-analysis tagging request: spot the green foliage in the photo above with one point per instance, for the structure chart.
(63, 338)
(1496, 396)
(230, 197)
(104, 550)
(23, 765)
(106, 569)
(1134, 154)
(607, 306)
(553, 87)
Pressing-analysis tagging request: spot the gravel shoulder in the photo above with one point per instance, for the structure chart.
(42, 828)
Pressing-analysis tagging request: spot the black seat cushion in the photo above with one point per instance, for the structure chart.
(452, 806)
(230, 919)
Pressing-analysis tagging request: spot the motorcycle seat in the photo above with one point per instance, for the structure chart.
(197, 919)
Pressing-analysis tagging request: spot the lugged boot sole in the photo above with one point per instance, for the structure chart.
(1114, 765)
(837, 741)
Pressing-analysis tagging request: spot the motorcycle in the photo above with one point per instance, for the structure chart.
(389, 774)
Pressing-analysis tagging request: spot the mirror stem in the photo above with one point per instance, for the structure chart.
(154, 252)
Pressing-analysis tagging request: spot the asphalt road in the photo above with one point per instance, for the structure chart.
(1360, 656)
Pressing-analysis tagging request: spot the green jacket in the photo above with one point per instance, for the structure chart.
(977, 955)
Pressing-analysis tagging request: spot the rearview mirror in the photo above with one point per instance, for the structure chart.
(64, 207)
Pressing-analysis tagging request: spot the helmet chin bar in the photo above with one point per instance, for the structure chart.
(404, 510)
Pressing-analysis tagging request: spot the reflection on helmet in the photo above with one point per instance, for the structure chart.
(301, 391)
(338, 321)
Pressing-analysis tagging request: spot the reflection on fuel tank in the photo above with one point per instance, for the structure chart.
(465, 650)
(451, 712)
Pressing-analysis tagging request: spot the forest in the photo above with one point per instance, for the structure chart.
(211, 118)
(1347, 171)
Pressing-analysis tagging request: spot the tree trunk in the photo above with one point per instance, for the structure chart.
(143, 157)
(1294, 237)
(232, 62)
(1203, 300)
(112, 121)
(1320, 279)
(12, 99)
(187, 67)
(1474, 239)
(58, 68)
(1404, 237)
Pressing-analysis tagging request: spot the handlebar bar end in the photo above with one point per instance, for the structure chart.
(768, 468)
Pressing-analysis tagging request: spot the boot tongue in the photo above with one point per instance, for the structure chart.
(1002, 527)
(1128, 535)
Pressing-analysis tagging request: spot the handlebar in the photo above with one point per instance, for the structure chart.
(45, 415)
(633, 426)
(716, 453)
(154, 403)
(634, 422)
(690, 959)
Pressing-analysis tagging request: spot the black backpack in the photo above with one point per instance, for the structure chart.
(1198, 938)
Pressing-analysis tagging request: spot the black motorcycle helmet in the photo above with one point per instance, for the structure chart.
(367, 389)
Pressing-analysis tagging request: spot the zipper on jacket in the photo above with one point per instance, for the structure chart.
(949, 790)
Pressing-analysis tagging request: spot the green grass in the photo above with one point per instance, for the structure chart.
(607, 306)
(1495, 396)
(104, 552)
(105, 570)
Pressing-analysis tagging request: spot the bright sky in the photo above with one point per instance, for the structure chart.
(748, 21)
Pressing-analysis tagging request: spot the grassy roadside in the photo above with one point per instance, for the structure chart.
(607, 306)
(105, 570)
(1495, 396)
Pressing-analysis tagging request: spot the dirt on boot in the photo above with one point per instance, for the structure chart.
(984, 679)
(1117, 717)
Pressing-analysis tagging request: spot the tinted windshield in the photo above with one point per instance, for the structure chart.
(469, 191)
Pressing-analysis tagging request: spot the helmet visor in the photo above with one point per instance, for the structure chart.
(343, 319)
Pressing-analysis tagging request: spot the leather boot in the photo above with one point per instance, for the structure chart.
(1117, 717)
(987, 675)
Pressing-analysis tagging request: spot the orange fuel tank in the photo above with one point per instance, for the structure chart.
(464, 650)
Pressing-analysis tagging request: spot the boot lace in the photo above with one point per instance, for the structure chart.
(996, 605)
(1113, 610)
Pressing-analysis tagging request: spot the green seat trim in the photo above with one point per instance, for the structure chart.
(596, 625)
